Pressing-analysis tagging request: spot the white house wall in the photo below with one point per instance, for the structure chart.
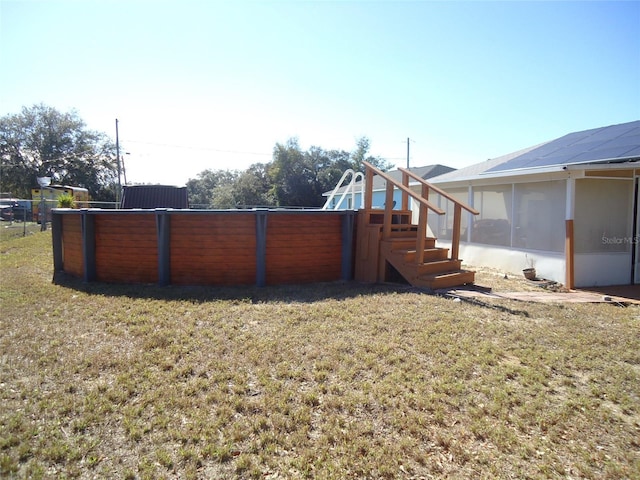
(603, 215)
(595, 270)
(603, 231)
(511, 261)
(603, 266)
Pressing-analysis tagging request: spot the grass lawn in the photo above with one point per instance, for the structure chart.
(10, 230)
(327, 381)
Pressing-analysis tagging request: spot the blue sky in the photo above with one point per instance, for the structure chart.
(215, 84)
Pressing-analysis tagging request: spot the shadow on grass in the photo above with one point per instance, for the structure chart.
(494, 306)
(301, 293)
(305, 293)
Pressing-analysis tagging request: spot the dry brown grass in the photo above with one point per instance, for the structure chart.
(319, 381)
(499, 281)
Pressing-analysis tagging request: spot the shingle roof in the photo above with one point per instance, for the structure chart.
(477, 169)
(615, 143)
(154, 196)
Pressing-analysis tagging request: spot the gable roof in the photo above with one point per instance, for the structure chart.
(478, 169)
(154, 196)
(611, 144)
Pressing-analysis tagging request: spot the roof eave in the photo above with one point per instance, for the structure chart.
(611, 163)
(555, 168)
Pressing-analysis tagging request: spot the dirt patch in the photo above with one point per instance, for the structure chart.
(494, 284)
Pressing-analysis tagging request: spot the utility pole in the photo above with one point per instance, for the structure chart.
(119, 188)
(124, 169)
(407, 152)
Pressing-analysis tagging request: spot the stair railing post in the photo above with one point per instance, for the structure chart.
(405, 196)
(421, 234)
(388, 212)
(425, 191)
(422, 225)
(368, 189)
(455, 239)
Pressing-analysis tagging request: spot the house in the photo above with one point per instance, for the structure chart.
(344, 199)
(154, 196)
(569, 207)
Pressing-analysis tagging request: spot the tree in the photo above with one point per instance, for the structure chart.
(300, 178)
(222, 196)
(360, 154)
(251, 188)
(230, 189)
(201, 189)
(293, 178)
(294, 175)
(41, 141)
(337, 162)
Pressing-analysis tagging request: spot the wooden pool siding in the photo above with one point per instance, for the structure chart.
(218, 250)
(72, 244)
(317, 242)
(201, 247)
(125, 249)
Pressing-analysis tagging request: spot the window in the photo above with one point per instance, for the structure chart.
(602, 221)
(539, 216)
(493, 225)
(442, 225)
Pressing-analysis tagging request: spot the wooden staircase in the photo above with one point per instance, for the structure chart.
(436, 270)
(387, 240)
(375, 255)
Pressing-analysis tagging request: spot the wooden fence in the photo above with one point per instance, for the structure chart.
(202, 247)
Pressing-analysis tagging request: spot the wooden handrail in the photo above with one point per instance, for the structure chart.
(401, 187)
(422, 199)
(439, 191)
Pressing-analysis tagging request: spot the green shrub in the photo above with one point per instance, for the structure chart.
(65, 201)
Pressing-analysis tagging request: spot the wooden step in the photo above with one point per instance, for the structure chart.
(436, 271)
(430, 255)
(407, 243)
(404, 231)
(439, 266)
(446, 279)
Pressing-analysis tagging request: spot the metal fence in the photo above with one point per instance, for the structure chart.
(23, 212)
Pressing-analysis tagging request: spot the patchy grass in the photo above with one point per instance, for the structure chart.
(9, 230)
(319, 381)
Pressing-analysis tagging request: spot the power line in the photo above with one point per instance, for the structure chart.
(237, 152)
(191, 147)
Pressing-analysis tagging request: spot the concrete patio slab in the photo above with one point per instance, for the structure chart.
(543, 296)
